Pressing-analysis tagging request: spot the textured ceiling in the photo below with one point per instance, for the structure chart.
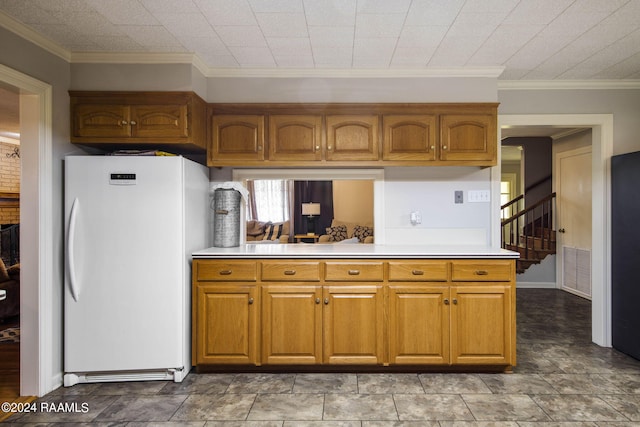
(531, 39)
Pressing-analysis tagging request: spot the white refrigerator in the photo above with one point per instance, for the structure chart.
(131, 224)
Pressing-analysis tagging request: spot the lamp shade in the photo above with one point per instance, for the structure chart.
(310, 209)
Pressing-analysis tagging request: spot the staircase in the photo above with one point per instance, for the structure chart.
(529, 231)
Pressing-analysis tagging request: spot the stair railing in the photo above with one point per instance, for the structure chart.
(508, 209)
(534, 219)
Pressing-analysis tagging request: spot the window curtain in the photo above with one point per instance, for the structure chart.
(316, 192)
(269, 200)
(252, 209)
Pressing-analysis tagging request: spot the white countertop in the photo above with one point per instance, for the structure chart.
(333, 250)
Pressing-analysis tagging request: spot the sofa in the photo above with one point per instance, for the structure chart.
(10, 282)
(347, 232)
(267, 232)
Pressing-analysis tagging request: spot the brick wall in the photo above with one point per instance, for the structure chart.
(9, 183)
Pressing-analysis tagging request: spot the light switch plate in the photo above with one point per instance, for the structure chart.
(478, 196)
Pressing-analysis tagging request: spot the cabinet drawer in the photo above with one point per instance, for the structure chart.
(354, 271)
(226, 271)
(482, 271)
(419, 271)
(291, 271)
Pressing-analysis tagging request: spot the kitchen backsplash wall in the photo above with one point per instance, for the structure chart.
(430, 192)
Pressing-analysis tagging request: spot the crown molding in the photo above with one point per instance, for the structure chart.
(131, 58)
(567, 84)
(34, 37)
(481, 72)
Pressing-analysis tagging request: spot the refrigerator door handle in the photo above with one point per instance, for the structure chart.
(70, 248)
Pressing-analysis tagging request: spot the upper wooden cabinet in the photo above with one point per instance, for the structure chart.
(409, 137)
(352, 138)
(171, 121)
(353, 135)
(236, 138)
(295, 137)
(468, 137)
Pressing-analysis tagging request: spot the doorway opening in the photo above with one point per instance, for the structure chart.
(10, 166)
(36, 238)
(601, 126)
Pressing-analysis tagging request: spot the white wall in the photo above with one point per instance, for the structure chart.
(624, 104)
(458, 89)
(142, 77)
(431, 192)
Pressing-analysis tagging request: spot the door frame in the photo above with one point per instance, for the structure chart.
(601, 151)
(36, 236)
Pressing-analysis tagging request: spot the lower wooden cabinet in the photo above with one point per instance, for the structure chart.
(354, 312)
(353, 325)
(419, 324)
(310, 325)
(291, 325)
(226, 329)
(481, 325)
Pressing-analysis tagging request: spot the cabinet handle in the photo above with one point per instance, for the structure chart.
(317, 147)
(329, 148)
(124, 123)
(482, 272)
(353, 272)
(444, 147)
(455, 301)
(317, 300)
(259, 147)
(225, 272)
(326, 301)
(289, 272)
(433, 147)
(446, 301)
(417, 272)
(133, 123)
(250, 301)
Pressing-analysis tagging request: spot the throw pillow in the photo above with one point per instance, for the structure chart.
(255, 228)
(362, 231)
(337, 233)
(273, 231)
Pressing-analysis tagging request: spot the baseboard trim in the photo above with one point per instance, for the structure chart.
(536, 285)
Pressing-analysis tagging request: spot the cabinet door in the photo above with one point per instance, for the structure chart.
(481, 325)
(295, 138)
(409, 138)
(237, 138)
(291, 325)
(352, 138)
(353, 324)
(101, 121)
(159, 121)
(419, 324)
(468, 137)
(226, 324)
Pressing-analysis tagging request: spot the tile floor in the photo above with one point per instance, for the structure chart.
(562, 380)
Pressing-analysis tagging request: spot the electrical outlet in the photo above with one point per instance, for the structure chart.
(458, 196)
(415, 218)
(479, 196)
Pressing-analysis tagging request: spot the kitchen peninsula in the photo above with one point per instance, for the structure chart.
(354, 306)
